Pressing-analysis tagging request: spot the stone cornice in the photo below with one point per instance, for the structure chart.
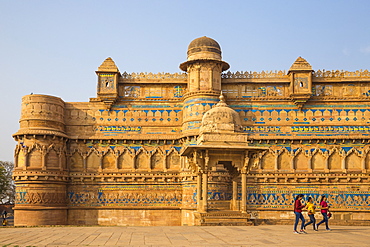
(308, 178)
(39, 132)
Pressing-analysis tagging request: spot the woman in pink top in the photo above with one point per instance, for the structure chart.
(324, 211)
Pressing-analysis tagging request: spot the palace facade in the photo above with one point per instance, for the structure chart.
(203, 147)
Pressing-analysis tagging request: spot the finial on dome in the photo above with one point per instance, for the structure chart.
(222, 97)
(222, 102)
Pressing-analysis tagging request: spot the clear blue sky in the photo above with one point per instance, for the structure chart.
(54, 47)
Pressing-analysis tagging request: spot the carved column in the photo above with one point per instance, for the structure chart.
(101, 156)
(150, 165)
(133, 162)
(343, 165)
(205, 183)
(25, 160)
(116, 161)
(199, 191)
(165, 163)
(60, 160)
(363, 163)
(276, 161)
(84, 157)
(309, 163)
(326, 156)
(244, 192)
(235, 195)
(43, 158)
(205, 191)
(292, 168)
(244, 183)
(197, 67)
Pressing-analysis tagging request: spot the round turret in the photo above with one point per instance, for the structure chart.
(42, 114)
(204, 67)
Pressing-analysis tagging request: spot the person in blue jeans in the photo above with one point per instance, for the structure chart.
(311, 213)
(298, 214)
(324, 211)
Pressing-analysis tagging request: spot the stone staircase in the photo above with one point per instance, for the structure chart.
(222, 218)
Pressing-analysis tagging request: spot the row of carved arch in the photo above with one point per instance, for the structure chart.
(37, 156)
(313, 159)
(126, 159)
(93, 159)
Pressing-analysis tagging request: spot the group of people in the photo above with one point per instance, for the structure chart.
(311, 209)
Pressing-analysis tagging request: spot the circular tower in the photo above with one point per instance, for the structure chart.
(40, 163)
(204, 67)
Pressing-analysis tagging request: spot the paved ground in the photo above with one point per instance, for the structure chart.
(183, 236)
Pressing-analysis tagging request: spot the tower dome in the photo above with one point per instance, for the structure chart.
(221, 118)
(204, 48)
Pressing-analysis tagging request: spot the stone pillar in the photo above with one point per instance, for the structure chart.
(116, 162)
(292, 166)
(133, 162)
(276, 166)
(60, 161)
(101, 157)
(244, 193)
(235, 195)
(205, 191)
(343, 165)
(199, 192)
(165, 163)
(26, 164)
(150, 162)
(309, 163)
(243, 172)
(326, 168)
(85, 162)
(363, 163)
(43, 158)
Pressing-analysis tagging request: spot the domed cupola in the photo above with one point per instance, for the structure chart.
(220, 119)
(204, 48)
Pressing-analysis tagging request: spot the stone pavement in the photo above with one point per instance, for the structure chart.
(263, 235)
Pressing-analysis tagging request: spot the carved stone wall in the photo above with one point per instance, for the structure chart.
(116, 160)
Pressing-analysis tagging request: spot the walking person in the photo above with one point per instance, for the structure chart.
(298, 214)
(4, 214)
(324, 211)
(311, 213)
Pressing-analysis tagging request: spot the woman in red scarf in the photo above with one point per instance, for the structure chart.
(298, 214)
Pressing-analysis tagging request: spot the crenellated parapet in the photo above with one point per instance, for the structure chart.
(276, 74)
(341, 74)
(154, 76)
